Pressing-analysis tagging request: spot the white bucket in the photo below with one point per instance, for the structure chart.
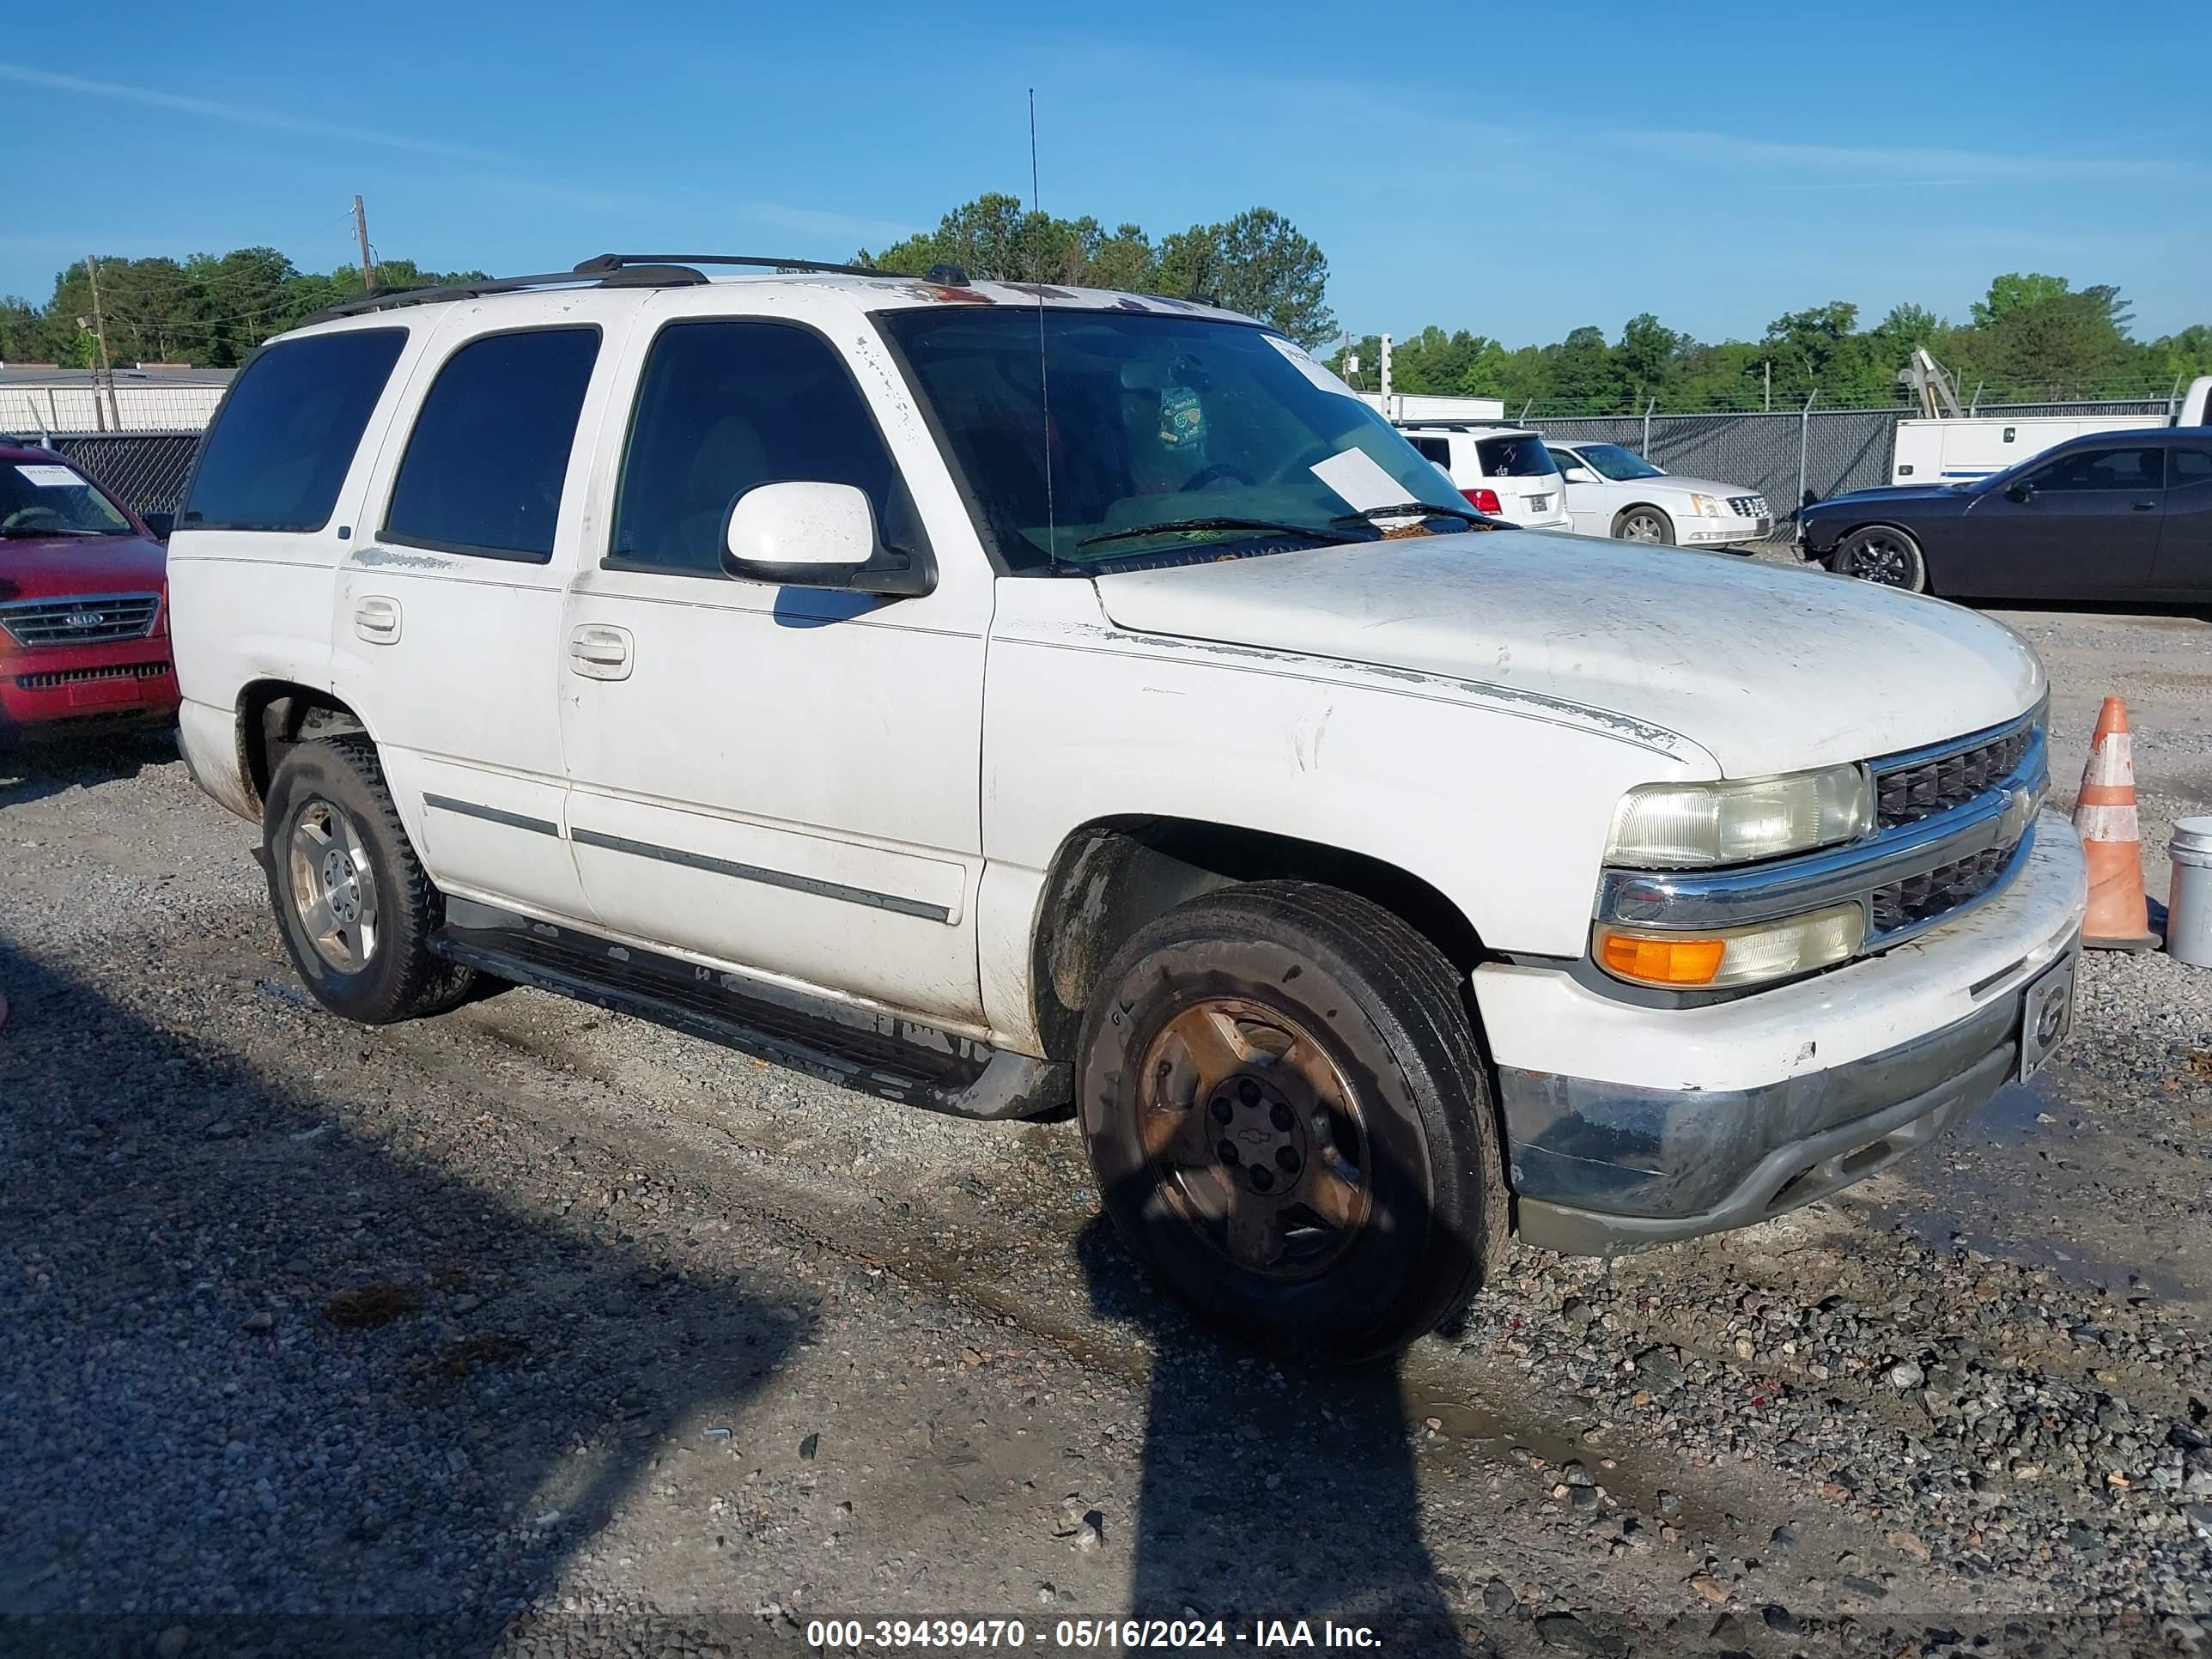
(2189, 902)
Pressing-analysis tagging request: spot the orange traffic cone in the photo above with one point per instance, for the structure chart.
(2112, 842)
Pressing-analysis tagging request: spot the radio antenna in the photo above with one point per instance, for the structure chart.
(1044, 377)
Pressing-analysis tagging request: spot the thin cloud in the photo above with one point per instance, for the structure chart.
(154, 97)
(1961, 166)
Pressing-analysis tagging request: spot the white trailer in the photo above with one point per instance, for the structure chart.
(1958, 449)
(1409, 407)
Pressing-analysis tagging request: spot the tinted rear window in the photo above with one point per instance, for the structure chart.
(1515, 458)
(489, 452)
(277, 454)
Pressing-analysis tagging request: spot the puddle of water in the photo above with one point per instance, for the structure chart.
(2016, 1113)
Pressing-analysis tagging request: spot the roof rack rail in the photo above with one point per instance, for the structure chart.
(608, 270)
(601, 264)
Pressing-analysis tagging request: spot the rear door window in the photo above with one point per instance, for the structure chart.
(485, 463)
(278, 452)
(1515, 458)
(2189, 466)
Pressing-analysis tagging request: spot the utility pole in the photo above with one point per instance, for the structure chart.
(106, 378)
(1769, 367)
(360, 231)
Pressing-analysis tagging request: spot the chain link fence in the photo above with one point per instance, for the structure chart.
(147, 470)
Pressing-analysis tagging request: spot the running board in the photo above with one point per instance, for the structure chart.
(858, 1048)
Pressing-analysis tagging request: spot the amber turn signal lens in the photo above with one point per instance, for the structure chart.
(1664, 961)
(1736, 955)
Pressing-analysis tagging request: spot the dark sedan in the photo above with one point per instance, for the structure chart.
(2109, 515)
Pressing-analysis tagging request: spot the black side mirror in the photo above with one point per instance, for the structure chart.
(2020, 492)
(160, 525)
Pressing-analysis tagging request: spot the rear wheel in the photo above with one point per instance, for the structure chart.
(1884, 554)
(352, 902)
(1282, 1096)
(1645, 524)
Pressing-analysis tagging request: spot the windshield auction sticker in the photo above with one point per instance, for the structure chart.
(1304, 363)
(1360, 479)
(47, 476)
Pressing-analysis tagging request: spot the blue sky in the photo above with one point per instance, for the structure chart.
(1514, 170)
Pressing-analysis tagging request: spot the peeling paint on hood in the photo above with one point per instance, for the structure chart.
(1770, 669)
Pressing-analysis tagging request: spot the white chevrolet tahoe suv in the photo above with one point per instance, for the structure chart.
(988, 696)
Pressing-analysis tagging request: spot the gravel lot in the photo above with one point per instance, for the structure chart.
(535, 1329)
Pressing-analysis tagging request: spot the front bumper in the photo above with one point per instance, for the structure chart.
(1630, 1124)
(61, 691)
(1724, 532)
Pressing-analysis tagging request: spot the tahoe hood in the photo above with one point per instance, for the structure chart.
(1769, 669)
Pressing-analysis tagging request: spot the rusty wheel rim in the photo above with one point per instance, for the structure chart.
(1257, 1141)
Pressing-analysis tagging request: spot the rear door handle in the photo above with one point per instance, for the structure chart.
(599, 651)
(376, 619)
(2142, 507)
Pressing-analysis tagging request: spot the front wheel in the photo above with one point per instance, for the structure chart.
(1647, 525)
(1281, 1093)
(1883, 554)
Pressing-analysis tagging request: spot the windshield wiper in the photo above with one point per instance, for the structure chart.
(1412, 510)
(32, 532)
(1172, 525)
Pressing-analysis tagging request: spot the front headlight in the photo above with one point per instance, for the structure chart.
(1683, 825)
(1732, 955)
(1706, 507)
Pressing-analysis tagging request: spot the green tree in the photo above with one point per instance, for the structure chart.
(1582, 374)
(2061, 340)
(1647, 360)
(1256, 263)
(2009, 292)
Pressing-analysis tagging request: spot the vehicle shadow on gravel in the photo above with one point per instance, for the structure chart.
(1269, 1491)
(32, 771)
(289, 1390)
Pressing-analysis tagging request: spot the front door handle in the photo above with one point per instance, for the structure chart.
(599, 651)
(2142, 507)
(376, 619)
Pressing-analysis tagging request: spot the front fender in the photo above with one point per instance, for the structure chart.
(1500, 802)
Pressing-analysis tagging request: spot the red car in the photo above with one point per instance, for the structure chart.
(84, 625)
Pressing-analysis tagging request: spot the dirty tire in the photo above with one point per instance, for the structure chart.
(397, 977)
(1885, 555)
(1386, 1012)
(1645, 524)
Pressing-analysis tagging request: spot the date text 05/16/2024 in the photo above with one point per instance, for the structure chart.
(1085, 1635)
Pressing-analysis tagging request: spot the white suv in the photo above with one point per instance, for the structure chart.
(757, 657)
(1504, 471)
(1614, 491)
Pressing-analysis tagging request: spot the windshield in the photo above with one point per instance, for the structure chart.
(46, 498)
(1524, 457)
(1167, 433)
(1611, 461)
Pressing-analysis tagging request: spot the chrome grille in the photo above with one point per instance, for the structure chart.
(1921, 788)
(1748, 506)
(85, 621)
(121, 671)
(1923, 898)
